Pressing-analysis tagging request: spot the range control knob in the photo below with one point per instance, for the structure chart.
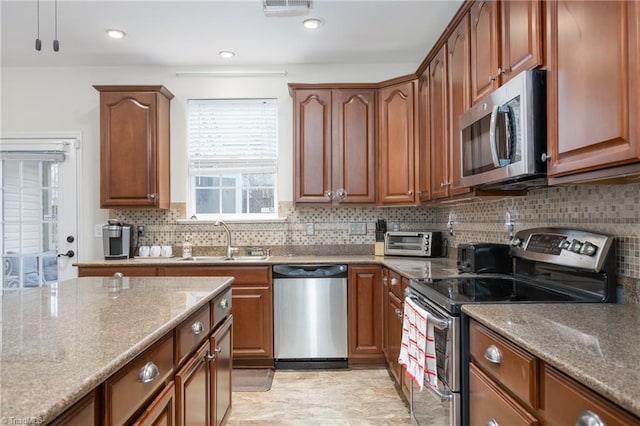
(564, 244)
(575, 246)
(588, 249)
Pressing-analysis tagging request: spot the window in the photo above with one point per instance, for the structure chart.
(232, 158)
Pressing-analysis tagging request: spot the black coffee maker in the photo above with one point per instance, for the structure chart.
(117, 240)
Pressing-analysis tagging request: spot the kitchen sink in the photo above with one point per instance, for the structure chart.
(223, 258)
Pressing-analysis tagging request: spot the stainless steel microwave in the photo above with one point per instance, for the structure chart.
(420, 244)
(503, 137)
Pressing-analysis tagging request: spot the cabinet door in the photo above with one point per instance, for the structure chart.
(484, 48)
(521, 37)
(397, 144)
(312, 146)
(221, 369)
(438, 125)
(134, 154)
(192, 389)
(593, 102)
(365, 314)
(83, 413)
(252, 308)
(385, 313)
(424, 141)
(354, 164)
(394, 331)
(161, 412)
(459, 99)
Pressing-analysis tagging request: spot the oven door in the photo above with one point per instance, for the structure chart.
(439, 406)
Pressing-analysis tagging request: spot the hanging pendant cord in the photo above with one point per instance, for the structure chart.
(38, 42)
(56, 43)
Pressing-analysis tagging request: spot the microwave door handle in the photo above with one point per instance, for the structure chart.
(508, 117)
(493, 140)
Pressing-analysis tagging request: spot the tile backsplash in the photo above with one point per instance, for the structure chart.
(610, 209)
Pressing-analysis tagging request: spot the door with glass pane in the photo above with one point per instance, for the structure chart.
(39, 211)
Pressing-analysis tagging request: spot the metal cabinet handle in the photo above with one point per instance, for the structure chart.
(385, 280)
(502, 71)
(491, 79)
(410, 192)
(328, 195)
(217, 350)
(492, 422)
(197, 328)
(493, 354)
(152, 197)
(149, 372)
(210, 357)
(341, 194)
(224, 303)
(443, 184)
(589, 418)
(394, 281)
(544, 157)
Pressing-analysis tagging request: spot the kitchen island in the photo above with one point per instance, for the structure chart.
(594, 345)
(60, 343)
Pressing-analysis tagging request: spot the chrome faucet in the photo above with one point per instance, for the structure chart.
(230, 250)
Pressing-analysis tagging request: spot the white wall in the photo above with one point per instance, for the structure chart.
(58, 99)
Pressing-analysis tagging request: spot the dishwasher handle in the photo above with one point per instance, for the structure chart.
(310, 271)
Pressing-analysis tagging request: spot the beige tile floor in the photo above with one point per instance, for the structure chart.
(327, 397)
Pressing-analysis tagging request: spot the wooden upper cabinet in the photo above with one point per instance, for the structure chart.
(424, 142)
(439, 132)
(459, 99)
(484, 48)
(506, 38)
(312, 145)
(593, 104)
(354, 147)
(396, 143)
(134, 140)
(334, 145)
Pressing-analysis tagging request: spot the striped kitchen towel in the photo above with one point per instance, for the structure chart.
(417, 350)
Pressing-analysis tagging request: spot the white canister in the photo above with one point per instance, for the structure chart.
(154, 251)
(143, 251)
(166, 251)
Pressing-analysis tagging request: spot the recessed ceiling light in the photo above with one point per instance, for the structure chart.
(227, 54)
(312, 23)
(113, 33)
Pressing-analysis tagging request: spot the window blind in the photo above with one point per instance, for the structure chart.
(232, 136)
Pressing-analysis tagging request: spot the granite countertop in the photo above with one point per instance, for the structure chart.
(410, 267)
(596, 344)
(60, 342)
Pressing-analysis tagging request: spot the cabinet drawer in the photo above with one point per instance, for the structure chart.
(512, 366)
(487, 402)
(395, 284)
(125, 392)
(565, 400)
(128, 271)
(220, 307)
(242, 275)
(192, 332)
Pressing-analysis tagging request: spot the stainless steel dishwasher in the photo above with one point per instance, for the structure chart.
(310, 316)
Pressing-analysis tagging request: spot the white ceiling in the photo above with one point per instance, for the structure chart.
(190, 33)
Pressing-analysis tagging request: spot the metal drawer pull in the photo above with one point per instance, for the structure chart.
(210, 357)
(589, 418)
(224, 303)
(217, 350)
(197, 328)
(149, 372)
(394, 281)
(492, 422)
(493, 355)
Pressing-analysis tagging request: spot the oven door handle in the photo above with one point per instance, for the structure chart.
(445, 396)
(438, 322)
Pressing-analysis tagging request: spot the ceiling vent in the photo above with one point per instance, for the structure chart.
(286, 7)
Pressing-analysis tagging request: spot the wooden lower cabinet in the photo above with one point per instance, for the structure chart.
(108, 271)
(161, 412)
(83, 413)
(192, 389)
(221, 367)
(252, 309)
(365, 314)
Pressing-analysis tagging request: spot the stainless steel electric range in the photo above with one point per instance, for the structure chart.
(540, 265)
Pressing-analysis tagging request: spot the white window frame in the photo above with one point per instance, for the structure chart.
(232, 217)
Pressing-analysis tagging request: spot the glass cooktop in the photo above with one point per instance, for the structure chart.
(451, 293)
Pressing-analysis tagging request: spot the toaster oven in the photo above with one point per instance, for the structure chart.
(421, 244)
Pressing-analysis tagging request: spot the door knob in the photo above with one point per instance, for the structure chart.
(68, 254)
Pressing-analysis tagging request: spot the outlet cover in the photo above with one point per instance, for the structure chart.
(97, 231)
(309, 228)
(357, 228)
